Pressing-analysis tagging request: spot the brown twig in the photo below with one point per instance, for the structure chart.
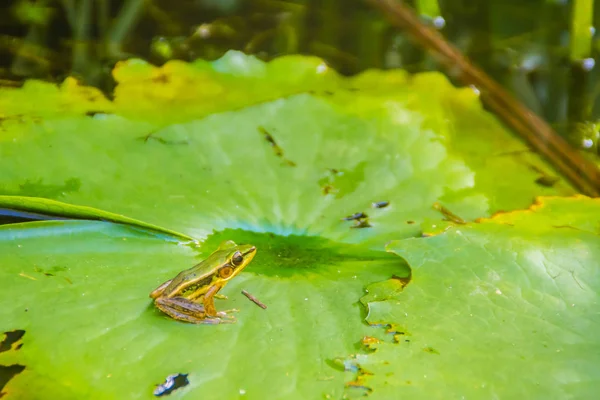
(254, 300)
(581, 172)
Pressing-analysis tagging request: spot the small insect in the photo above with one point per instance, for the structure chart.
(172, 382)
(355, 216)
(380, 204)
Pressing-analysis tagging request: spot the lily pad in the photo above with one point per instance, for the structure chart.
(79, 290)
(294, 165)
(505, 308)
(283, 155)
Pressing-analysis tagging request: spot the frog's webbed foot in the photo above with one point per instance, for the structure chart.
(225, 312)
(220, 297)
(217, 320)
(224, 315)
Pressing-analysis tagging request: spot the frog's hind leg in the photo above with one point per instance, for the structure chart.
(182, 309)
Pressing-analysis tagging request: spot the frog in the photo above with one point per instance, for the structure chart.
(189, 296)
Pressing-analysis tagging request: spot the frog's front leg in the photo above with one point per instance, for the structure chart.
(209, 300)
(182, 309)
(209, 303)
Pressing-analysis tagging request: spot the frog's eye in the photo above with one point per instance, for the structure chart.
(225, 272)
(237, 259)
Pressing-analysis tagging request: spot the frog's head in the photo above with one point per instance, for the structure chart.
(236, 259)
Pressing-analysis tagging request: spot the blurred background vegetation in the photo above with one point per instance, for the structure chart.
(544, 51)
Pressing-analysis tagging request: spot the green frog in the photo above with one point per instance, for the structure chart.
(181, 296)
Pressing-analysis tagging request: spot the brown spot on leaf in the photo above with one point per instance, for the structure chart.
(360, 382)
(161, 78)
(363, 223)
(276, 148)
(369, 341)
(547, 181)
(328, 189)
(402, 281)
(152, 136)
(431, 350)
(93, 113)
(395, 329)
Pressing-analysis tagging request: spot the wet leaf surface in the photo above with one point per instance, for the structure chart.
(182, 153)
(504, 308)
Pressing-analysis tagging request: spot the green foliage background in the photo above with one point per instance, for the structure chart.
(537, 49)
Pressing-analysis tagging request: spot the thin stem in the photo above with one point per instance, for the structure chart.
(127, 18)
(581, 29)
(69, 6)
(102, 7)
(581, 172)
(81, 36)
(429, 8)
